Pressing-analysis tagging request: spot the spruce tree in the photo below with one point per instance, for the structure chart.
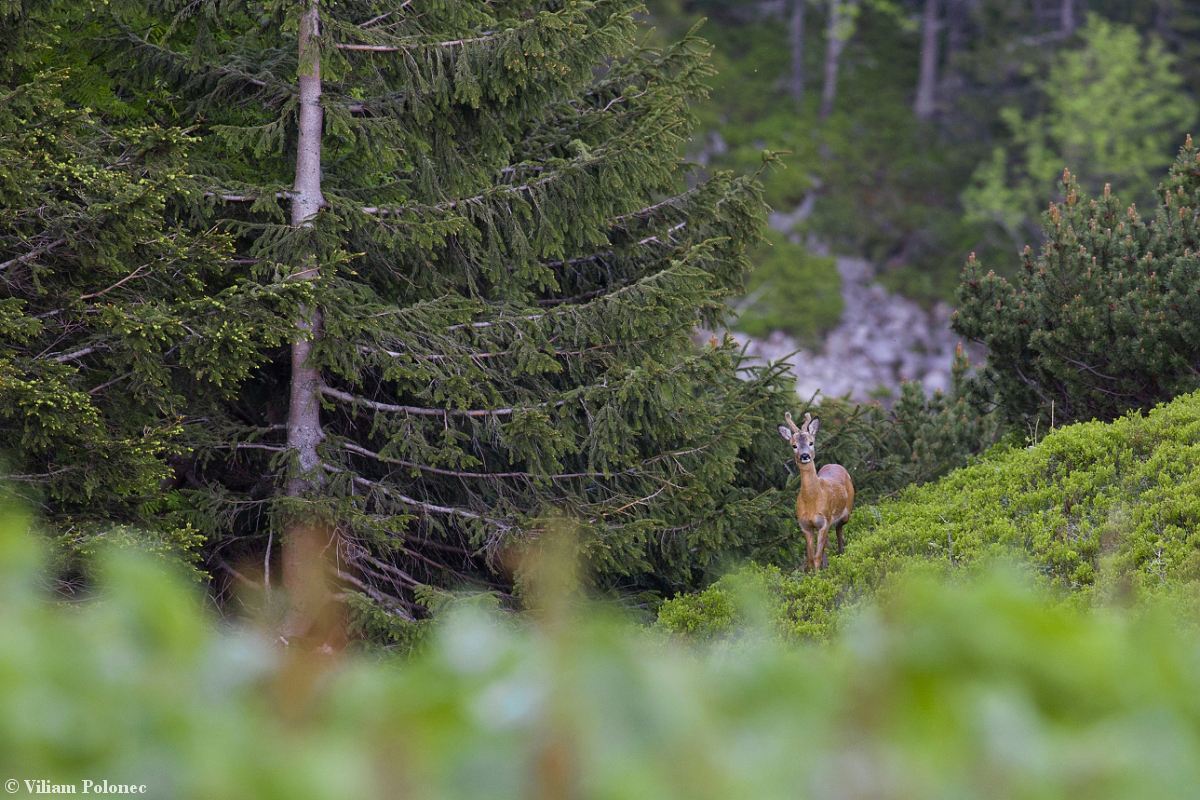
(495, 260)
(115, 315)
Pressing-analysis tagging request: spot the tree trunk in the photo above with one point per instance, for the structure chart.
(957, 14)
(1163, 12)
(1041, 13)
(1067, 17)
(926, 102)
(952, 80)
(796, 85)
(304, 408)
(835, 43)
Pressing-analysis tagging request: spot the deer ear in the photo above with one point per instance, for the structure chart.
(785, 432)
(814, 425)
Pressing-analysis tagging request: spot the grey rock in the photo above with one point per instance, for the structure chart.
(882, 340)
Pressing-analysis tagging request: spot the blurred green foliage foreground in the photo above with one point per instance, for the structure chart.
(987, 688)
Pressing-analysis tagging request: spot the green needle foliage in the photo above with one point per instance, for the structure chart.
(116, 316)
(505, 270)
(1105, 318)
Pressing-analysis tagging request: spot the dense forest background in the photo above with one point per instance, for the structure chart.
(423, 279)
(918, 132)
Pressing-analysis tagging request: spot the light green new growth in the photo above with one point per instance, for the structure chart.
(1111, 111)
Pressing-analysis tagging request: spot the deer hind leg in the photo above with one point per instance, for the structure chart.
(841, 544)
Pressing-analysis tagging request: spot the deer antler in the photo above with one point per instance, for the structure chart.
(787, 417)
(807, 421)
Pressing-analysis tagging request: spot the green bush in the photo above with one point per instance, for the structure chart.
(790, 290)
(966, 691)
(1104, 511)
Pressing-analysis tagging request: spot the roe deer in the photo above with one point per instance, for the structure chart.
(826, 498)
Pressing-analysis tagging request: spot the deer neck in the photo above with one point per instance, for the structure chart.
(808, 478)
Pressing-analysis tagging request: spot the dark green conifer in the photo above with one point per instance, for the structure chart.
(495, 275)
(115, 316)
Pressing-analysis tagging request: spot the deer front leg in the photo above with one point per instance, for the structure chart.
(810, 563)
(822, 558)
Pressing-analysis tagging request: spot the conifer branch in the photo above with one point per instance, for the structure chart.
(38, 476)
(419, 411)
(381, 17)
(392, 48)
(678, 227)
(488, 355)
(453, 473)
(501, 190)
(274, 448)
(392, 604)
(32, 254)
(671, 202)
(95, 390)
(246, 198)
(564, 310)
(390, 569)
(181, 62)
(429, 508)
(494, 323)
(242, 579)
(612, 253)
(78, 354)
(378, 48)
(135, 274)
(448, 205)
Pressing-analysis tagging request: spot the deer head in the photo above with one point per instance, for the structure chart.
(802, 438)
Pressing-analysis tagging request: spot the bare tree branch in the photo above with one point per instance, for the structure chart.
(32, 254)
(419, 411)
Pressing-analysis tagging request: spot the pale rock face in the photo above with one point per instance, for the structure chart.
(882, 340)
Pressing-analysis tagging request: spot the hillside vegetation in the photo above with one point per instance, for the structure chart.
(1104, 511)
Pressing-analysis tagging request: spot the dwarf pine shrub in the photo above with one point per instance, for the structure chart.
(1106, 317)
